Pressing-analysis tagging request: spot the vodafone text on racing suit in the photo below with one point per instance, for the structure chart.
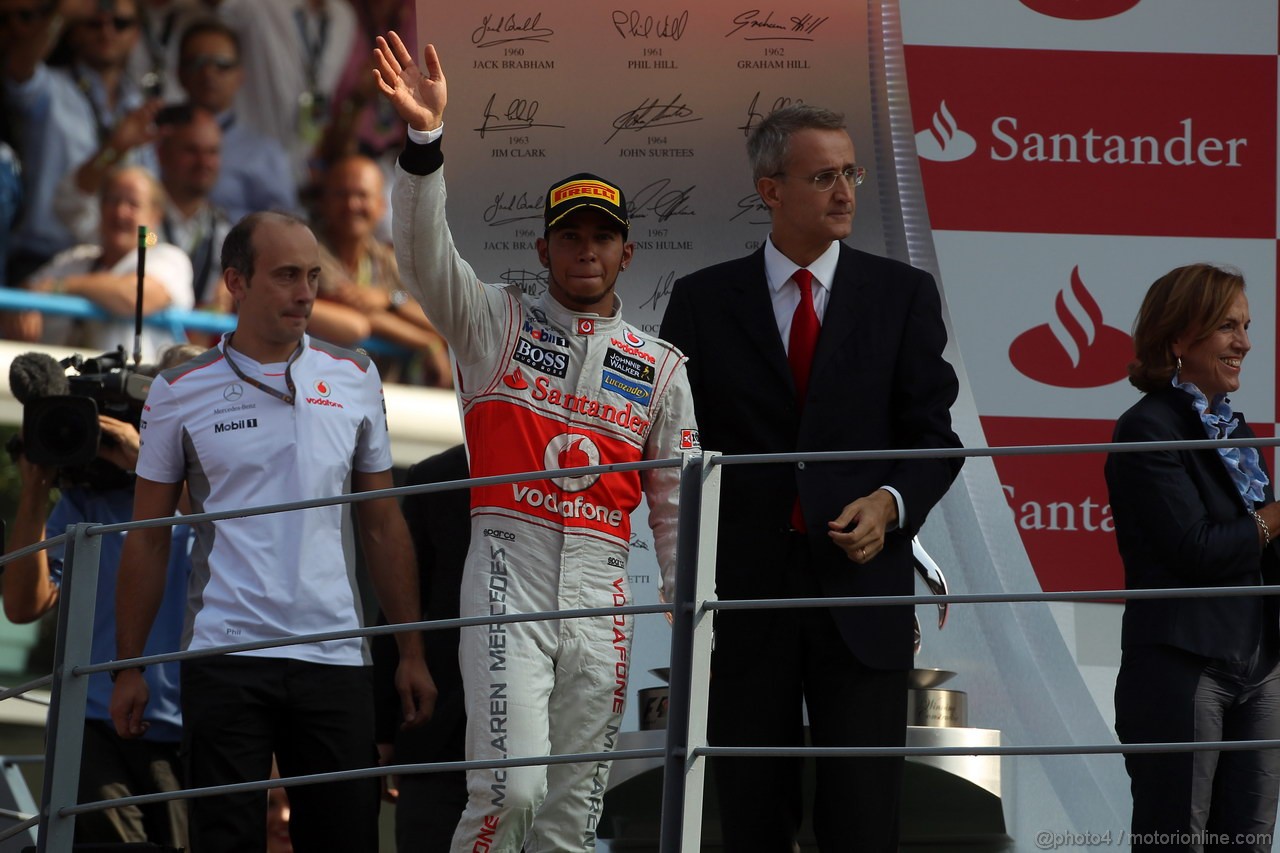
(542, 388)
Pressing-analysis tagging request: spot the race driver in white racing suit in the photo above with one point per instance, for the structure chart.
(547, 382)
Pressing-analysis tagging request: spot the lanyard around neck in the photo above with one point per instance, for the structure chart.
(314, 47)
(263, 387)
(86, 89)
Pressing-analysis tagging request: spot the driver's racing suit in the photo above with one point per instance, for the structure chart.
(542, 388)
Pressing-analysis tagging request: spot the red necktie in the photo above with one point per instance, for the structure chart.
(800, 347)
(804, 334)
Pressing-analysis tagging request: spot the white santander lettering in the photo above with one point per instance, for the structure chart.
(1086, 515)
(1179, 149)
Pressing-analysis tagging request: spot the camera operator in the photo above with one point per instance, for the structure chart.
(111, 767)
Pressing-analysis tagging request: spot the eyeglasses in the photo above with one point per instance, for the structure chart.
(119, 22)
(826, 181)
(199, 63)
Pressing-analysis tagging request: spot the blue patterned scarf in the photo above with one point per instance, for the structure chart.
(1219, 422)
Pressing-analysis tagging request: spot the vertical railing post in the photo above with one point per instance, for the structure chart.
(73, 647)
(684, 774)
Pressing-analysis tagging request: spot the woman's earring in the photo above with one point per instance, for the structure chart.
(1177, 368)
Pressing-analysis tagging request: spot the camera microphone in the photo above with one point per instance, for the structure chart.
(33, 375)
(144, 240)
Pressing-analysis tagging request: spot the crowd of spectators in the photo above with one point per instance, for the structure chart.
(184, 116)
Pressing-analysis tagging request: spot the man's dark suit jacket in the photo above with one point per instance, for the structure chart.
(878, 382)
(1180, 522)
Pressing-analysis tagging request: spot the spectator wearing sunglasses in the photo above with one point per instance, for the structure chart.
(154, 61)
(67, 116)
(255, 173)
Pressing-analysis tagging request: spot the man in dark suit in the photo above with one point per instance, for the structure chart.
(768, 376)
(428, 805)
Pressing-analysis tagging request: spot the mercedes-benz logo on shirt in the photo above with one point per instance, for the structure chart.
(233, 392)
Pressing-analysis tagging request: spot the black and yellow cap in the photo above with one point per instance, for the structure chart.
(585, 190)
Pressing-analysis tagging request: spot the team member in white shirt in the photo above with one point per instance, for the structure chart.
(267, 416)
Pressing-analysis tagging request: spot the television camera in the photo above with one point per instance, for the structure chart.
(60, 412)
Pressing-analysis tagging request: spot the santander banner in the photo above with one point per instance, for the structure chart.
(1072, 153)
(1025, 140)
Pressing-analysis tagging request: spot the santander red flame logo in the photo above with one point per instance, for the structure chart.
(945, 142)
(1075, 349)
(571, 451)
(515, 380)
(1081, 10)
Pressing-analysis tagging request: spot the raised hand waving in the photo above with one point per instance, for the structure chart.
(418, 98)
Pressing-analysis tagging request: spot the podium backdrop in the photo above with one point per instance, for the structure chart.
(1046, 159)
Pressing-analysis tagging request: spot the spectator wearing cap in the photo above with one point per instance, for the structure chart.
(255, 173)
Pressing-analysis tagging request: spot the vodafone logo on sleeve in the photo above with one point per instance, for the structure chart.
(1019, 141)
(1075, 349)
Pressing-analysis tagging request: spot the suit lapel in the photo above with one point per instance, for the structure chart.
(842, 315)
(751, 306)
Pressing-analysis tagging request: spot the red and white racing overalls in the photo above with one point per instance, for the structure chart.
(543, 388)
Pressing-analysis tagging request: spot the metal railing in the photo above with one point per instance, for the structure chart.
(685, 751)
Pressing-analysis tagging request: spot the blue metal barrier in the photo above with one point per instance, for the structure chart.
(176, 321)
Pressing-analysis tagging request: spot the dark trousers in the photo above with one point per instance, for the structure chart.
(431, 804)
(428, 810)
(1198, 801)
(238, 711)
(112, 767)
(802, 658)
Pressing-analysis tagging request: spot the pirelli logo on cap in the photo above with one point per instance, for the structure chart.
(588, 188)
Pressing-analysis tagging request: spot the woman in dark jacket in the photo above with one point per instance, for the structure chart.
(1196, 669)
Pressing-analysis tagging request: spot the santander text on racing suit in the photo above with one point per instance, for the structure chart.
(543, 387)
